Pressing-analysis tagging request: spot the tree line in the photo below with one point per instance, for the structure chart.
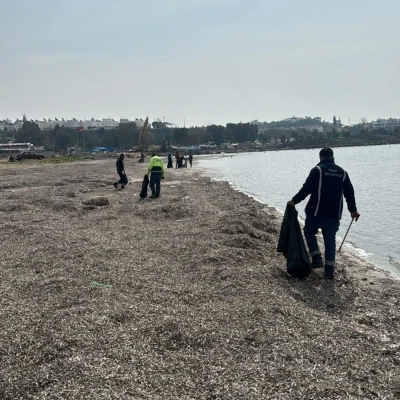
(126, 135)
(283, 135)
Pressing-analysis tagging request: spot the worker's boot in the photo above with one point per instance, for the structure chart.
(317, 262)
(329, 272)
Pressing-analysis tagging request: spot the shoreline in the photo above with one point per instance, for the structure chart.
(349, 252)
(302, 145)
(369, 250)
(195, 301)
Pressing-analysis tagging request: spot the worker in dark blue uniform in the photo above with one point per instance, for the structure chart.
(121, 172)
(326, 183)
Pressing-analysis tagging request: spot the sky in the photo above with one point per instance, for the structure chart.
(200, 61)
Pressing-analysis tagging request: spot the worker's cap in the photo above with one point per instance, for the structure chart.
(153, 155)
(327, 152)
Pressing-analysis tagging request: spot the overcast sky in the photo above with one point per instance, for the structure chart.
(206, 61)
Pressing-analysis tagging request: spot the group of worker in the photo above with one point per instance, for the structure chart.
(155, 170)
(180, 160)
(326, 184)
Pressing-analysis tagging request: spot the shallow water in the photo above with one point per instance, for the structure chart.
(274, 177)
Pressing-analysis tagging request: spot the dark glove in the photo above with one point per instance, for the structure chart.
(355, 215)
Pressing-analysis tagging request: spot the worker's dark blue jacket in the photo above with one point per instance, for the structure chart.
(120, 165)
(327, 183)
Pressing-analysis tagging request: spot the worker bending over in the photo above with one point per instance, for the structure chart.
(156, 172)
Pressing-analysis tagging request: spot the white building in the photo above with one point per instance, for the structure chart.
(388, 124)
(17, 125)
(91, 124)
(392, 123)
(108, 123)
(48, 125)
(316, 128)
(73, 124)
(139, 123)
(293, 119)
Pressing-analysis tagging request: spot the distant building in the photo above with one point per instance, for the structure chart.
(17, 125)
(139, 123)
(388, 124)
(293, 119)
(108, 123)
(48, 125)
(392, 123)
(315, 128)
(91, 124)
(72, 124)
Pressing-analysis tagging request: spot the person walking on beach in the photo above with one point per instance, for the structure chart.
(121, 172)
(183, 161)
(177, 158)
(156, 172)
(170, 164)
(191, 158)
(326, 183)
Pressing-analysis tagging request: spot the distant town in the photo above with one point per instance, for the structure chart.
(72, 136)
(49, 124)
(110, 123)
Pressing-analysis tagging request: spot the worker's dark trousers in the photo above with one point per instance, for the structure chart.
(122, 179)
(155, 184)
(329, 227)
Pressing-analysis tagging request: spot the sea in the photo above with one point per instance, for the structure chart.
(274, 177)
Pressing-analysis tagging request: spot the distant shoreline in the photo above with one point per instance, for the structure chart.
(300, 145)
(309, 145)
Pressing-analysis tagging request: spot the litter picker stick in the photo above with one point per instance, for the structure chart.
(345, 235)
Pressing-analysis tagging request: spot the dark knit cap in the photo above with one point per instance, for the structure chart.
(327, 152)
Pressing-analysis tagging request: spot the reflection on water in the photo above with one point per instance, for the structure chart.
(274, 177)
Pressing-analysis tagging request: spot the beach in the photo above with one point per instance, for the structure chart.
(106, 296)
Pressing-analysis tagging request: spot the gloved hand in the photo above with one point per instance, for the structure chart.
(291, 203)
(162, 177)
(355, 215)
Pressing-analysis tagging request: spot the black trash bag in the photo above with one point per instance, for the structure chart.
(124, 179)
(291, 244)
(145, 183)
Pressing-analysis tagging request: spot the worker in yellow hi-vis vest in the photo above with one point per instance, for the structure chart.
(156, 172)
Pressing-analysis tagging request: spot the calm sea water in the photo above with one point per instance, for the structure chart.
(274, 177)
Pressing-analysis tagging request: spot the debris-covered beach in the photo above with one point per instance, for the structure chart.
(104, 296)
